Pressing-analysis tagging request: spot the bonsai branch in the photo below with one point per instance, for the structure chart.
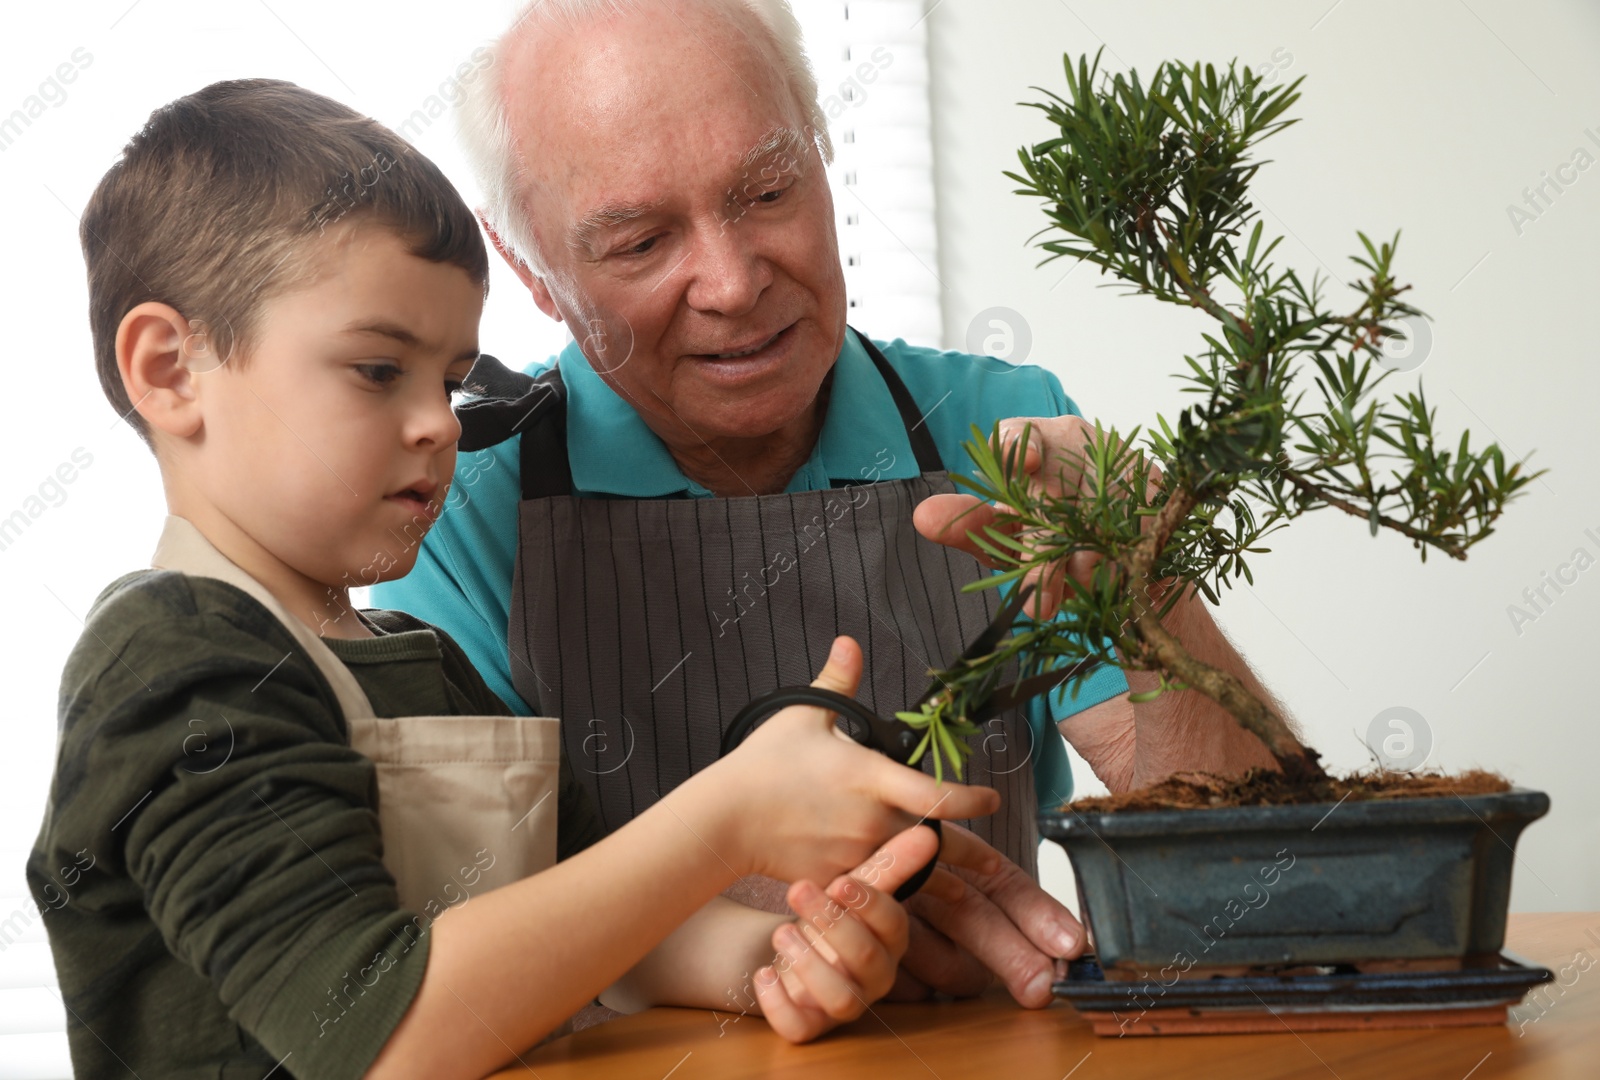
(1322, 494)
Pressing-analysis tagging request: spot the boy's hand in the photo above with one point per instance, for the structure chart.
(844, 951)
(799, 800)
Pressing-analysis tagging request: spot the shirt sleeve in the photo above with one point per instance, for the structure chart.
(462, 579)
(206, 764)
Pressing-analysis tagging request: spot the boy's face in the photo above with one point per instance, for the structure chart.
(334, 445)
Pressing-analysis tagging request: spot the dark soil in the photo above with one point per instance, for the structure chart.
(1263, 787)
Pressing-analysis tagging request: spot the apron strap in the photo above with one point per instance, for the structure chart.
(511, 403)
(183, 547)
(505, 402)
(922, 444)
(542, 455)
(508, 403)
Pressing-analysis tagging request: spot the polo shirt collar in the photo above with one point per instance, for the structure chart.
(613, 451)
(610, 448)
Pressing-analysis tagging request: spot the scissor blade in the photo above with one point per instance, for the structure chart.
(1021, 692)
(986, 641)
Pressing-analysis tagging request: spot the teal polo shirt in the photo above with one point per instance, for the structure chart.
(462, 579)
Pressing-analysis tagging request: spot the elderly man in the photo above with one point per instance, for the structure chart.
(719, 475)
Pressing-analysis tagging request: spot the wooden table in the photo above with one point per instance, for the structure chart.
(1553, 1035)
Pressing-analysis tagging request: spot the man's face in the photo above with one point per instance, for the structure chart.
(684, 214)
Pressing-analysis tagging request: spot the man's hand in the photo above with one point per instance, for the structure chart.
(1128, 745)
(980, 916)
(1052, 457)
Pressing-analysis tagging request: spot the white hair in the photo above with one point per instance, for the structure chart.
(491, 149)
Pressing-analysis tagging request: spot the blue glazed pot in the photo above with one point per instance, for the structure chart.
(1317, 884)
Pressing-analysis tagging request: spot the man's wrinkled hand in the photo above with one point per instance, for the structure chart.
(980, 916)
(1056, 441)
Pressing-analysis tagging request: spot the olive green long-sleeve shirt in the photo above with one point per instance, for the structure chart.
(209, 869)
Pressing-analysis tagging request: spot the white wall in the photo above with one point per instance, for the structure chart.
(1430, 117)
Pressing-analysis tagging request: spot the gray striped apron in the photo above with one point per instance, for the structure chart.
(645, 624)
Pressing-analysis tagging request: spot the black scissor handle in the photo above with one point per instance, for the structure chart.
(893, 739)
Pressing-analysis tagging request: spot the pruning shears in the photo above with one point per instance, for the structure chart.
(1014, 695)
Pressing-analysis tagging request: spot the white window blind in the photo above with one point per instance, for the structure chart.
(871, 62)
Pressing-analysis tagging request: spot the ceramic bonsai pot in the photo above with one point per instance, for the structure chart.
(1422, 879)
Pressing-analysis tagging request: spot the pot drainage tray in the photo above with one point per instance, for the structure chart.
(1337, 998)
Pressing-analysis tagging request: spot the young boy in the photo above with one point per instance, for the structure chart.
(284, 297)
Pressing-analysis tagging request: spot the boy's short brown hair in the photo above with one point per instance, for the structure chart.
(212, 204)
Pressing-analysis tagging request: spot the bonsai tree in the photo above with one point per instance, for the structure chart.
(1149, 183)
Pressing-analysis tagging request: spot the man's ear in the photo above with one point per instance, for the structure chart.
(533, 282)
(155, 354)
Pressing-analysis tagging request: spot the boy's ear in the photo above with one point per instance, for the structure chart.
(531, 281)
(156, 354)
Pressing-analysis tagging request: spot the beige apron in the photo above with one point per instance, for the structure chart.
(466, 803)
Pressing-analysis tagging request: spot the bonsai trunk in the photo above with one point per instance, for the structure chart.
(1298, 763)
